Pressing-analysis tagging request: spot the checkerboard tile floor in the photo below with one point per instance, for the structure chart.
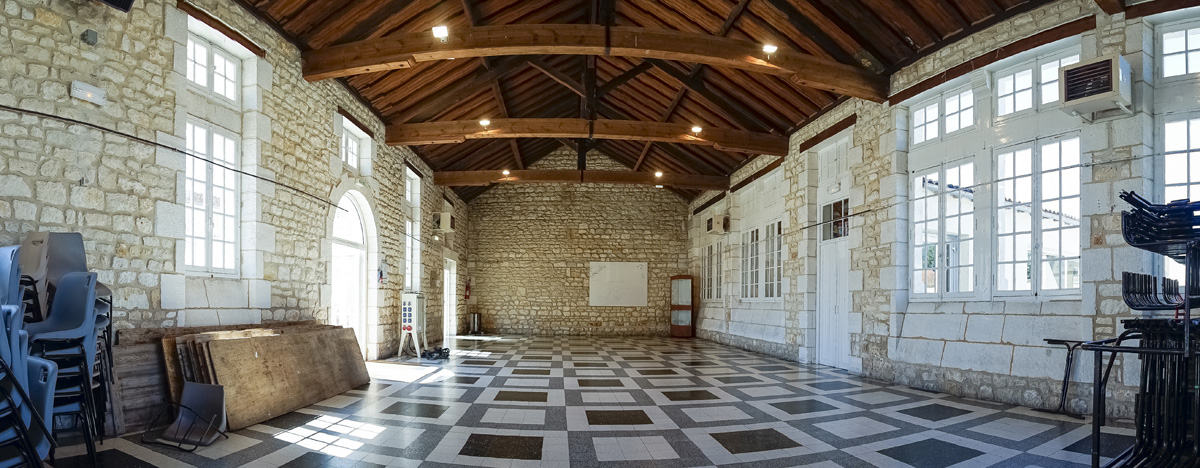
(627, 402)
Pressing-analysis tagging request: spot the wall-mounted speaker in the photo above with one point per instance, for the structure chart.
(123, 5)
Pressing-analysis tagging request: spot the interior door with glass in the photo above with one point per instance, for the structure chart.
(833, 289)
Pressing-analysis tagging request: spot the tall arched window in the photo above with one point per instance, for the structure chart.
(349, 304)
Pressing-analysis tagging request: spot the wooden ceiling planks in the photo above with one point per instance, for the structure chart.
(871, 33)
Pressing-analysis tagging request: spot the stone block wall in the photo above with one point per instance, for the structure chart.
(531, 245)
(125, 197)
(990, 349)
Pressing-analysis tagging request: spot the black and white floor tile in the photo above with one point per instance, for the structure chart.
(628, 402)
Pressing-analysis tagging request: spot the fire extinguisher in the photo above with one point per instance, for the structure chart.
(467, 289)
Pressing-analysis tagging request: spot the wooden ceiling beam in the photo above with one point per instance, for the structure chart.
(568, 176)
(1111, 7)
(437, 133)
(404, 50)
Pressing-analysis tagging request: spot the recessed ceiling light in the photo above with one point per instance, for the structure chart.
(658, 174)
(441, 32)
(696, 129)
(485, 122)
(505, 172)
(769, 48)
(658, 186)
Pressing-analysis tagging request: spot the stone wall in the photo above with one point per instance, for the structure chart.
(532, 244)
(987, 348)
(126, 197)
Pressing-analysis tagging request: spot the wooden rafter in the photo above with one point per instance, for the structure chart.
(726, 105)
(404, 50)
(730, 21)
(566, 176)
(473, 20)
(1111, 7)
(436, 133)
(612, 112)
(449, 96)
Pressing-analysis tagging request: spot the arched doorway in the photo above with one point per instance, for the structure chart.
(348, 306)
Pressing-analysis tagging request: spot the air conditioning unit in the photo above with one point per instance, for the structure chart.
(716, 224)
(443, 222)
(1097, 85)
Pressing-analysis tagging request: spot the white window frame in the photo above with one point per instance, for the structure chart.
(940, 201)
(1072, 55)
(209, 166)
(209, 86)
(773, 266)
(412, 231)
(712, 271)
(1160, 53)
(1036, 229)
(352, 134)
(1190, 154)
(959, 94)
(751, 242)
(922, 124)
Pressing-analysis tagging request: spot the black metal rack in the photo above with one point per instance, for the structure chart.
(1167, 402)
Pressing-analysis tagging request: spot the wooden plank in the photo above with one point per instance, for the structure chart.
(726, 105)
(1062, 31)
(269, 376)
(431, 133)
(221, 27)
(566, 176)
(402, 50)
(1111, 7)
(712, 201)
(1158, 6)
(802, 147)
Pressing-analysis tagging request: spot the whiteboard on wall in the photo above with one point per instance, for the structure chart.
(618, 284)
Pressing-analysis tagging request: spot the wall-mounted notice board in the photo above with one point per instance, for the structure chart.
(618, 284)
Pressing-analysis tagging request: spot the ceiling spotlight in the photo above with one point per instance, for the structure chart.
(658, 174)
(485, 122)
(696, 129)
(505, 172)
(769, 48)
(658, 186)
(441, 32)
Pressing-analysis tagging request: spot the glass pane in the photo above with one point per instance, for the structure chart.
(1049, 156)
(1070, 182)
(1024, 79)
(1050, 214)
(347, 223)
(1177, 136)
(967, 118)
(1024, 191)
(1174, 42)
(1004, 105)
(1023, 246)
(1004, 277)
(1193, 62)
(952, 104)
(1024, 100)
(1024, 162)
(1005, 85)
(1050, 188)
(1049, 72)
(1174, 65)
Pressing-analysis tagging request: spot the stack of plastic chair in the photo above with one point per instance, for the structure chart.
(54, 255)
(68, 338)
(26, 384)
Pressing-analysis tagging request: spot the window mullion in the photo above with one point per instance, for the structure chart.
(1035, 219)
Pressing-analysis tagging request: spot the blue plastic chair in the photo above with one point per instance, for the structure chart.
(42, 376)
(68, 337)
(10, 276)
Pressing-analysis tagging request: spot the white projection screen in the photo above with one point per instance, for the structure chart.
(618, 284)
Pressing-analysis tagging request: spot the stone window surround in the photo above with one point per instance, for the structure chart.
(363, 199)
(208, 298)
(366, 147)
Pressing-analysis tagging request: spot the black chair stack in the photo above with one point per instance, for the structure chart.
(1167, 403)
